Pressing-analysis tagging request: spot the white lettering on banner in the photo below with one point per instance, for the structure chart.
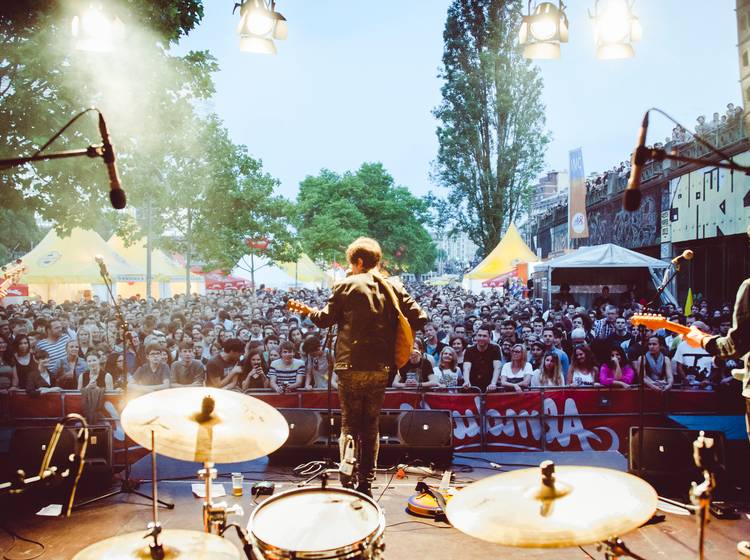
(528, 425)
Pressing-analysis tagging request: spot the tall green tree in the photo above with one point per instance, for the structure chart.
(144, 91)
(231, 200)
(335, 209)
(492, 127)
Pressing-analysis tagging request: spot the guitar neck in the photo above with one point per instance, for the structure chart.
(676, 327)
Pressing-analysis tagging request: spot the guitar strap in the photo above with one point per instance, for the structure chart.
(440, 515)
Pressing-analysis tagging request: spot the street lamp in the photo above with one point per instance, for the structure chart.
(615, 28)
(94, 30)
(543, 30)
(259, 25)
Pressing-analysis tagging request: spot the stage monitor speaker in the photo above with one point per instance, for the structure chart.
(667, 460)
(426, 435)
(28, 444)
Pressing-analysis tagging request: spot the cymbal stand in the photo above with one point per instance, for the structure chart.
(705, 459)
(127, 485)
(215, 515)
(155, 548)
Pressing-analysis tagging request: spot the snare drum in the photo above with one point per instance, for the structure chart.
(318, 524)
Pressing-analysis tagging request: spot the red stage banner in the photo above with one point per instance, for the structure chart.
(595, 419)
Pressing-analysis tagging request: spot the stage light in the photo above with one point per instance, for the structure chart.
(95, 31)
(615, 29)
(543, 30)
(259, 25)
(257, 45)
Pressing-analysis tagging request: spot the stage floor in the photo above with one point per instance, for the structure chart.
(405, 537)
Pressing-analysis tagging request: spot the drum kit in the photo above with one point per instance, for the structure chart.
(541, 507)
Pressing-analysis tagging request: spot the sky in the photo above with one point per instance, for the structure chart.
(357, 82)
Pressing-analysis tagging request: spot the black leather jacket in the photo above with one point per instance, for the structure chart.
(367, 321)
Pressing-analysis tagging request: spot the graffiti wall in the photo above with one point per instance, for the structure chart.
(610, 223)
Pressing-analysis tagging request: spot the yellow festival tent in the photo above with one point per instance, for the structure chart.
(168, 278)
(64, 267)
(304, 271)
(510, 252)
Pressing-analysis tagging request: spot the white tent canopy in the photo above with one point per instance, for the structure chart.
(607, 257)
(268, 273)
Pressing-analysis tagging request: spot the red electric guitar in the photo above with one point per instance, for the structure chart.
(429, 502)
(653, 322)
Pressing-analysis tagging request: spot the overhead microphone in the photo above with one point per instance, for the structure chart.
(631, 198)
(116, 194)
(687, 255)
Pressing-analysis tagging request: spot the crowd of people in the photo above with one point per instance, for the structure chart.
(249, 341)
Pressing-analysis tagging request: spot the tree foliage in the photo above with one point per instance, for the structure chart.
(491, 133)
(44, 81)
(335, 209)
(205, 194)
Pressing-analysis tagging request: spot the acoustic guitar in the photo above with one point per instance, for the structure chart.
(11, 273)
(432, 503)
(299, 307)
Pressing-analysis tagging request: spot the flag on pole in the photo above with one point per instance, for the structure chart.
(689, 302)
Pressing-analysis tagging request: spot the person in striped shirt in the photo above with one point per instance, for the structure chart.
(55, 345)
(287, 373)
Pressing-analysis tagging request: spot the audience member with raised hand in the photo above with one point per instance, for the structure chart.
(617, 371)
(418, 372)
(95, 376)
(255, 371)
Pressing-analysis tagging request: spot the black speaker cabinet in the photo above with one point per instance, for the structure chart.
(667, 460)
(28, 445)
(426, 435)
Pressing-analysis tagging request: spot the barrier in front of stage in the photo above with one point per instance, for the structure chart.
(554, 419)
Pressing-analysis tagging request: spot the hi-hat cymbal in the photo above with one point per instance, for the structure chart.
(177, 544)
(582, 505)
(205, 425)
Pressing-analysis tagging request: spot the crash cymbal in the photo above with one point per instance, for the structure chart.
(177, 543)
(205, 425)
(548, 507)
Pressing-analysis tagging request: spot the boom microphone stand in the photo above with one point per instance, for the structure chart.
(128, 485)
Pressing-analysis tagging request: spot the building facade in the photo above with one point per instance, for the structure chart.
(684, 206)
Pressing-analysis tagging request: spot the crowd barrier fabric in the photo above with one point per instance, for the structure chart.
(553, 419)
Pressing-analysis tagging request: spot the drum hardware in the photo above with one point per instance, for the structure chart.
(317, 524)
(215, 515)
(616, 548)
(705, 459)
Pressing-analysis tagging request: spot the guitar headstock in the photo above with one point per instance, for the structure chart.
(298, 307)
(650, 320)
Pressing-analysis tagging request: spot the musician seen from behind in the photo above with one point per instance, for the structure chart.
(736, 344)
(361, 305)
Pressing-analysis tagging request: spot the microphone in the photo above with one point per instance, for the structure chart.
(116, 195)
(687, 255)
(102, 267)
(631, 198)
(347, 465)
